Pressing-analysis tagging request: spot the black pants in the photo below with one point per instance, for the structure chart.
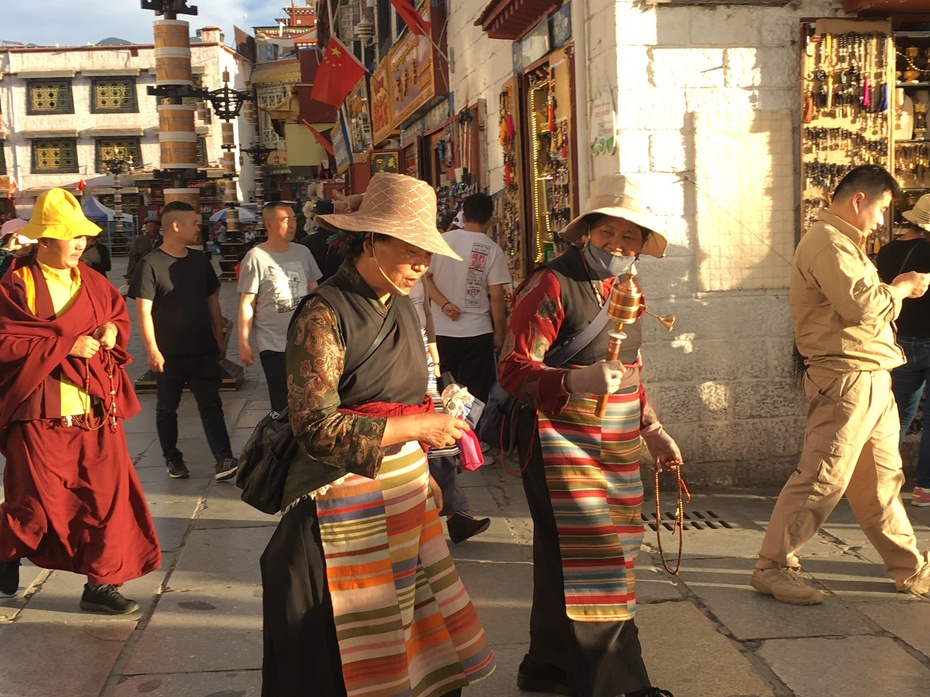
(202, 375)
(470, 359)
(276, 375)
(603, 659)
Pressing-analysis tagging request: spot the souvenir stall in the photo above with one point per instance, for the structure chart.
(865, 94)
(537, 135)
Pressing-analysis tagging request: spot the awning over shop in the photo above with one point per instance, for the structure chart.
(511, 19)
(887, 6)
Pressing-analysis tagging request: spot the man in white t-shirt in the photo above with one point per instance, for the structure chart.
(273, 277)
(468, 299)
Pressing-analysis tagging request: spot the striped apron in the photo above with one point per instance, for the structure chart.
(592, 471)
(404, 622)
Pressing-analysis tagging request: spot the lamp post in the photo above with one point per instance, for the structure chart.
(259, 154)
(226, 103)
(116, 165)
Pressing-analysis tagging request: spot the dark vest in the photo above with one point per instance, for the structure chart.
(396, 371)
(581, 307)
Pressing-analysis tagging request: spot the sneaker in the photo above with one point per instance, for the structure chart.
(921, 583)
(543, 677)
(920, 497)
(177, 469)
(654, 692)
(462, 526)
(9, 577)
(786, 585)
(108, 600)
(226, 468)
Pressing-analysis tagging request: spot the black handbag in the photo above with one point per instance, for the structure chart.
(267, 455)
(264, 460)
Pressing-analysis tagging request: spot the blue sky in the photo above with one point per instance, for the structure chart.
(79, 22)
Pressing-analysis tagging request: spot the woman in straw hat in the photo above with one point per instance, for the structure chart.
(582, 477)
(911, 252)
(360, 593)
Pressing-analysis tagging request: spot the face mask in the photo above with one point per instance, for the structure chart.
(604, 264)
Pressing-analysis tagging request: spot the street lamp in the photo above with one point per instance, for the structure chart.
(227, 103)
(116, 165)
(258, 154)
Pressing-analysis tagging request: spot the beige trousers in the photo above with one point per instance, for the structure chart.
(851, 447)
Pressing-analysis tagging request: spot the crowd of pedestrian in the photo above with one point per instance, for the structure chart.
(361, 595)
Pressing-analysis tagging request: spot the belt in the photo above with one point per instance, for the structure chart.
(78, 420)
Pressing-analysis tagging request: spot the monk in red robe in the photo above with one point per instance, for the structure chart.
(73, 500)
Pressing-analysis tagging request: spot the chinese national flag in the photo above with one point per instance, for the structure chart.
(337, 75)
(13, 187)
(81, 186)
(327, 145)
(411, 17)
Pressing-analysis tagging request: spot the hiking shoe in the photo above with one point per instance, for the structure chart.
(9, 577)
(462, 526)
(786, 585)
(177, 469)
(921, 583)
(920, 497)
(108, 600)
(226, 468)
(543, 677)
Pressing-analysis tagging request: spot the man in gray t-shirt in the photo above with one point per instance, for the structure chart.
(273, 277)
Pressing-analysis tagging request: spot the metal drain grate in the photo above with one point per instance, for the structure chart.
(694, 520)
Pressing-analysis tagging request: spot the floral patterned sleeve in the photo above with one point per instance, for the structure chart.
(534, 325)
(315, 361)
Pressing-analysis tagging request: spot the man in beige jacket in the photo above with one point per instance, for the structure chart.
(842, 315)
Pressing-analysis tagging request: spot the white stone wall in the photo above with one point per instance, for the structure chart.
(723, 379)
(16, 67)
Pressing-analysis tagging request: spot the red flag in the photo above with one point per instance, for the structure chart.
(337, 74)
(81, 186)
(412, 18)
(13, 187)
(327, 146)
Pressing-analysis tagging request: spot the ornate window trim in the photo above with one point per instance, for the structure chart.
(129, 149)
(105, 93)
(46, 162)
(40, 98)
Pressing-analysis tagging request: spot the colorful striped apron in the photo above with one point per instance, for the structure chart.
(592, 471)
(404, 622)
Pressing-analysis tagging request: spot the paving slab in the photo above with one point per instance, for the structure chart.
(239, 683)
(722, 585)
(64, 659)
(906, 620)
(225, 508)
(503, 595)
(861, 666)
(213, 628)
(685, 654)
(220, 556)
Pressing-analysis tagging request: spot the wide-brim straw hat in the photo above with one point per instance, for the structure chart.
(618, 196)
(58, 216)
(398, 206)
(920, 213)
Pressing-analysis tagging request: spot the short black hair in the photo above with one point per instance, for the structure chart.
(872, 180)
(271, 205)
(323, 206)
(445, 220)
(478, 208)
(178, 207)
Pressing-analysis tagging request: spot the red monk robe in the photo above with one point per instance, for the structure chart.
(73, 500)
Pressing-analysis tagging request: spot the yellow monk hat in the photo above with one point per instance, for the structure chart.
(57, 215)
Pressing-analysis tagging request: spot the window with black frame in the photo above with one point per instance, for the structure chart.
(113, 95)
(49, 97)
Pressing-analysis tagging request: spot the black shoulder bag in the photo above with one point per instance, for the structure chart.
(267, 455)
(497, 425)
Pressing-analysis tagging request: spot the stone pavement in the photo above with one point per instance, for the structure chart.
(705, 633)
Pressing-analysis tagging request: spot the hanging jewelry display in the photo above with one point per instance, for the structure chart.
(507, 231)
(844, 108)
